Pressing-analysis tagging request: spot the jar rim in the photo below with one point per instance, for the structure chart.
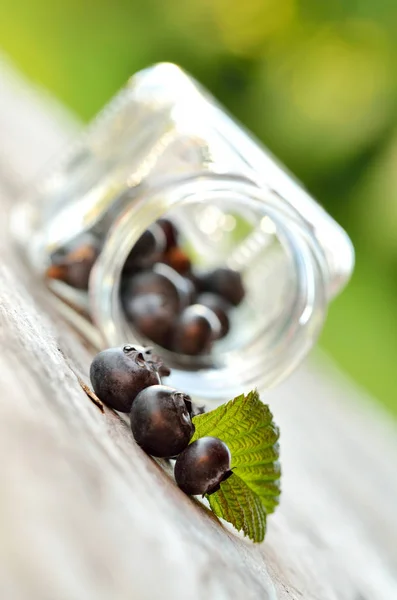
(267, 361)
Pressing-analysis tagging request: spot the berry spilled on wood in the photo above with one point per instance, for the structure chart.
(161, 421)
(119, 374)
(230, 455)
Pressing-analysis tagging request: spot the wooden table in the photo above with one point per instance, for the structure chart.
(84, 514)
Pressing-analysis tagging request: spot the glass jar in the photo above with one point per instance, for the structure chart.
(163, 146)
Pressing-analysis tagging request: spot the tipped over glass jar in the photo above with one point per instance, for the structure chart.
(167, 224)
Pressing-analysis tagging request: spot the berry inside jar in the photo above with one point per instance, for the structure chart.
(212, 285)
(171, 300)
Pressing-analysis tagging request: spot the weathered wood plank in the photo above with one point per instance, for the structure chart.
(85, 514)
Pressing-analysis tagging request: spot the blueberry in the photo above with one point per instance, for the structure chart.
(170, 231)
(74, 263)
(150, 282)
(183, 285)
(152, 316)
(202, 466)
(178, 260)
(220, 307)
(119, 374)
(161, 421)
(224, 282)
(147, 250)
(195, 329)
(156, 362)
(197, 409)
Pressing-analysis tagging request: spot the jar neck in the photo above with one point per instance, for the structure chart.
(296, 308)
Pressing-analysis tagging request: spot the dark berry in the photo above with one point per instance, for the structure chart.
(147, 249)
(183, 285)
(156, 362)
(119, 374)
(152, 316)
(150, 282)
(73, 265)
(178, 260)
(202, 466)
(220, 307)
(225, 283)
(194, 330)
(170, 231)
(161, 421)
(197, 410)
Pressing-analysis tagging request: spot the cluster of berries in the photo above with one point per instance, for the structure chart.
(168, 301)
(128, 379)
(163, 296)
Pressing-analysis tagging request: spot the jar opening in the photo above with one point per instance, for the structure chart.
(223, 223)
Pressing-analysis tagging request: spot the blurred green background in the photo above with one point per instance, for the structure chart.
(315, 80)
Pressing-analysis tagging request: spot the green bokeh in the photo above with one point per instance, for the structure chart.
(316, 81)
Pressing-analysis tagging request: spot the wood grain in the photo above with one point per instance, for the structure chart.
(85, 514)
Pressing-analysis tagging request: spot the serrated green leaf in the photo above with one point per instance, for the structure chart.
(237, 504)
(246, 425)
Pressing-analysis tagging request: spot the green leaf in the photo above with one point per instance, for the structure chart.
(246, 425)
(237, 503)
